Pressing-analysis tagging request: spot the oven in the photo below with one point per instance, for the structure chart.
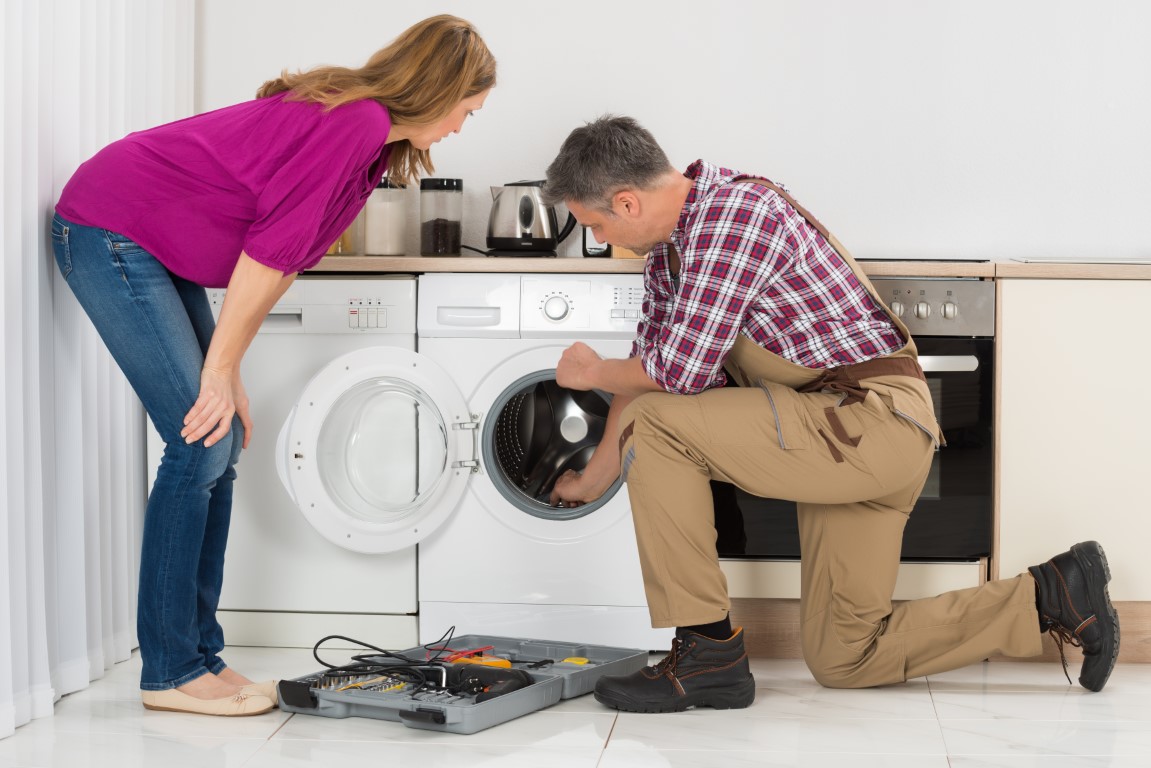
(952, 321)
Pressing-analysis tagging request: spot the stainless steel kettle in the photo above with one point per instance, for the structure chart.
(520, 224)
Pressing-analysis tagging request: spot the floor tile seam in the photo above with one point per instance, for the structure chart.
(794, 751)
(1146, 722)
(607, 739)
(699, 715)
(1046, 721)
(460, 741)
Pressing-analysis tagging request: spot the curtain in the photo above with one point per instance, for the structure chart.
(77, 74)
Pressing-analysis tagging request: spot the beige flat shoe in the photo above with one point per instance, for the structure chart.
(240, 705)
(269, 688)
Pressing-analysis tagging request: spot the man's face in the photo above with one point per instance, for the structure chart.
(622, 226)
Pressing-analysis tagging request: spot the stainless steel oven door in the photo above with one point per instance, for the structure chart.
(952, 521)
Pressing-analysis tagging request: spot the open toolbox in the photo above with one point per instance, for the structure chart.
(470, 683)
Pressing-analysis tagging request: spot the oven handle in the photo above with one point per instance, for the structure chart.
(948, 363)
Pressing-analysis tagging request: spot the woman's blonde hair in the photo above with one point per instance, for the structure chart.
(420, 77)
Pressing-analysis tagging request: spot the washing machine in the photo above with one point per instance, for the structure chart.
(291, 578)
(507, 562)
(452, 450)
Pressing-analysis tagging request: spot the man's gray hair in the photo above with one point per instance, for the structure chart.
(601, 158)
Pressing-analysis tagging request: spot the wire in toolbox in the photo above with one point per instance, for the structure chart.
(388, 671)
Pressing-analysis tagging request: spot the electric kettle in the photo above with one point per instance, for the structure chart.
(520, 224)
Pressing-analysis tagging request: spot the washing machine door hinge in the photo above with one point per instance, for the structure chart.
(474, 428)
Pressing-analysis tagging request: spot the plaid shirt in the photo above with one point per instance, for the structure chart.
(750, 264)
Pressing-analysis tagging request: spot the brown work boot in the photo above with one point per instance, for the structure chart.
(1075, 608)
(699, 672)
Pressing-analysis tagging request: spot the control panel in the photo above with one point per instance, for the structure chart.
(367, 312)
(323, 305)
(591, 306)
(941, 306)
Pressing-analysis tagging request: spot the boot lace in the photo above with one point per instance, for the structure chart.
(672, 659)
(1063, 636)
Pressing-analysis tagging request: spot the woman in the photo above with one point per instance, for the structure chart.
(244, 197)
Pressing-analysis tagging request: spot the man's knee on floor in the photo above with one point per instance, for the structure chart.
(839, 663)
(836, 674)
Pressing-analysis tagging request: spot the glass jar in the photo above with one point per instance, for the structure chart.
(351, 242)
(441, 216)
(385, 219)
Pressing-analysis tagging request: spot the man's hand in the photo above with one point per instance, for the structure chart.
(575, 488)
(574, 368)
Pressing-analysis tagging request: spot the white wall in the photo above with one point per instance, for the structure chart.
(991, 128)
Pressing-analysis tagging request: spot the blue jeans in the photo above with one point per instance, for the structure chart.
(157, 327)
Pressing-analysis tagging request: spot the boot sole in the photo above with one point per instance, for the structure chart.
(738, 696)
(1093, 561)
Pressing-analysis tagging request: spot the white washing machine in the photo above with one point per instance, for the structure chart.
(506, 562)
(289, 578)
(453, 448)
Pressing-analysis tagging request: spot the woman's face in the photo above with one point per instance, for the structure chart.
(424, 136)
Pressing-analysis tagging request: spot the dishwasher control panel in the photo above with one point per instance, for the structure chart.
(327, 305)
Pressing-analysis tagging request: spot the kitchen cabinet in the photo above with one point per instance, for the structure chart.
(1074, 422)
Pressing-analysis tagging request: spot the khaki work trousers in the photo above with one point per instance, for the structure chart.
(854, 501)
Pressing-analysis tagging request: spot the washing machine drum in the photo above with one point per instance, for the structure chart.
(539, 431)
(373, 453)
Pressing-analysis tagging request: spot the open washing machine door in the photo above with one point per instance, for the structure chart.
(377, 451)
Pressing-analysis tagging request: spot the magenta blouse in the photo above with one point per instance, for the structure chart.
(279, 180)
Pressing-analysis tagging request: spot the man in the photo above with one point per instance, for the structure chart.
(832, 412)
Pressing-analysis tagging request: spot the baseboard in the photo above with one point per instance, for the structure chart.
(771, 630)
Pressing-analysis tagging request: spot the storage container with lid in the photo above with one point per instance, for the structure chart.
(441, 216)
(385, 220)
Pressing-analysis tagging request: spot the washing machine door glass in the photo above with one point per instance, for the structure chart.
(377, 450)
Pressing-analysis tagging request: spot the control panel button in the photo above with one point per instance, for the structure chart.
(922, 310)
(950, 310)
(897, 308)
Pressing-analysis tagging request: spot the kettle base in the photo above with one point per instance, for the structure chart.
(521, 254)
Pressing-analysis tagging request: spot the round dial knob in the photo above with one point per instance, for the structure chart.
(556, 308)
(950, 310)
(922, 310)
(897, 308)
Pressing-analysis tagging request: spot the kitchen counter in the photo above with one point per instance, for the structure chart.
(417, 264)
(567, 265)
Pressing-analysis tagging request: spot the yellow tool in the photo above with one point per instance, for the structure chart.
(487, 661)
(575, 660)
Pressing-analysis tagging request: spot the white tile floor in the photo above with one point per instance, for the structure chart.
(998, 715)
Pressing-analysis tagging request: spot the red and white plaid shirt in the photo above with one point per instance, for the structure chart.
(751, 264)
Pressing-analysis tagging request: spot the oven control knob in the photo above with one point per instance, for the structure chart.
(922, 310)
(556, 308)
(897, 308)
(950, 310)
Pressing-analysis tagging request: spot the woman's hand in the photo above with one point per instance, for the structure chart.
(240, 395)
(252, 291)
(214, 408)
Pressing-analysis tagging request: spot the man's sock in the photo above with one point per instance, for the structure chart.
(717, 630)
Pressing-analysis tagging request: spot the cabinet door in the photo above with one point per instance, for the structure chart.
(1075, 424)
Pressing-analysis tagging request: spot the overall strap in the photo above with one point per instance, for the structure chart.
(909, 348)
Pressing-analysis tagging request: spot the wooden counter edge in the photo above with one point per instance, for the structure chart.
(570, 265)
